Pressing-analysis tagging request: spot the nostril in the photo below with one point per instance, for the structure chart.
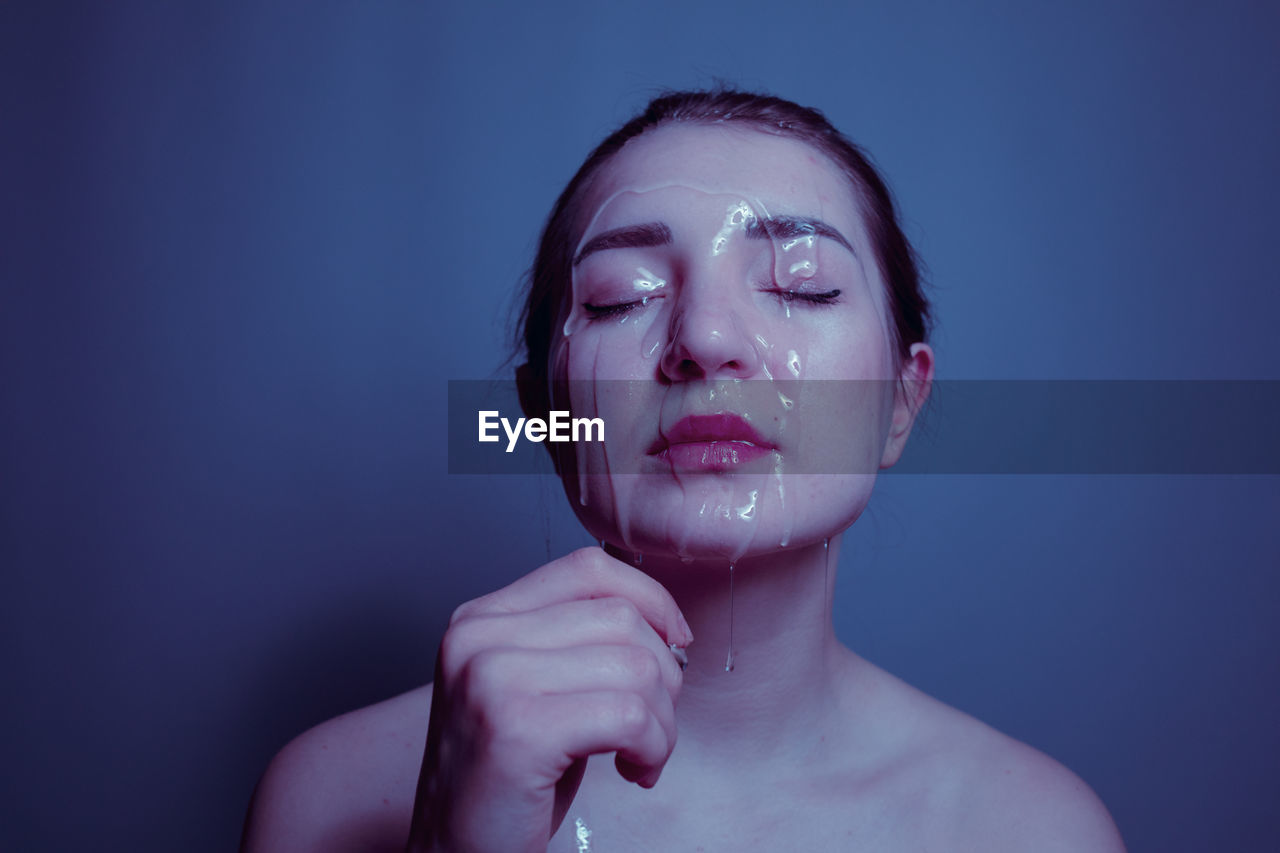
(689, 367)
(700, 351)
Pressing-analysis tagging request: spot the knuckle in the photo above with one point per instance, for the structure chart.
(449, 657)
(630, 714)
(581, 560)
(591, 562)
(511, 724)
(640, 664)
(457, 646)
(618, 612)
(482, 678)
(461, 612)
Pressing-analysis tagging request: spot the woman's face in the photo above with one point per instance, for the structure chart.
(727, 321)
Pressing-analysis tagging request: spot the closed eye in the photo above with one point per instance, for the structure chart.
(823, 298)
(598, 312)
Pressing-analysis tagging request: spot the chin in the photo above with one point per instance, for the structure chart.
(717, 519)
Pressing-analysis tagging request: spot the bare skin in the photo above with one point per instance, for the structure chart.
(557, 704)
(878, 765)
(348, 785)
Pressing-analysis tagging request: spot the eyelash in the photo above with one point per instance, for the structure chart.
(830, 297)
(600, 312)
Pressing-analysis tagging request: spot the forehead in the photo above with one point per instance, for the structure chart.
(787, 176)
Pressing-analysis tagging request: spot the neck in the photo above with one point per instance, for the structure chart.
(783, 651)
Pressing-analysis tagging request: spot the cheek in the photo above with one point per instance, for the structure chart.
(844, 410)
(828, 370)
(833, 440)
(838, 426)
(627, 347)
(853, 344)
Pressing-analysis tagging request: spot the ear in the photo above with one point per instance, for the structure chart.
(909, 397)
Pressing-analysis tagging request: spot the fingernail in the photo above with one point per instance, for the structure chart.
(682, 657)
(688, 632)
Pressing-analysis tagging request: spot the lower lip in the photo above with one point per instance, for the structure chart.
(712, 455)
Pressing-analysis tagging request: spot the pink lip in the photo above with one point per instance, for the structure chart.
(711, 443)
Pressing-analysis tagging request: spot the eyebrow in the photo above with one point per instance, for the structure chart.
(659, 234)
(788, 227)
(628, 237)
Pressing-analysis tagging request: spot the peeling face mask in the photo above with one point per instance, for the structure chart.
(738, 353)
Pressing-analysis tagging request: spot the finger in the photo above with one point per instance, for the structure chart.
(599, 621)
(496, 677)
(645, 777)
(586, 574)
(601, 721)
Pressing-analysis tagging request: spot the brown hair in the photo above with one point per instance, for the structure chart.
(908, 306)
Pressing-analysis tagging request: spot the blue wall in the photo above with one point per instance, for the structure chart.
(243, 250)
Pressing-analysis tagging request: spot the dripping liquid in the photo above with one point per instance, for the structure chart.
(728, 661)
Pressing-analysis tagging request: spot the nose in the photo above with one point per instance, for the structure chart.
(709, 339)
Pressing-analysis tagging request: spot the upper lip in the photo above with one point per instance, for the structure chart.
(696, 429)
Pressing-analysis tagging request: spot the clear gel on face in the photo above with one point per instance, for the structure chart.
(714, 326)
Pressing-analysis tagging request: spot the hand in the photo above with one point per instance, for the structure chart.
(569, 661)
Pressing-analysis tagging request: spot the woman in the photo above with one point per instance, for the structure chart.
(725, 284)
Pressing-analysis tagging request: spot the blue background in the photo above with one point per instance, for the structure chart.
(244, 248)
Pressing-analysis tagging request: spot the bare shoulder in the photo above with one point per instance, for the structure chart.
(347, 784)
(1018, 798)
(986, 790)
